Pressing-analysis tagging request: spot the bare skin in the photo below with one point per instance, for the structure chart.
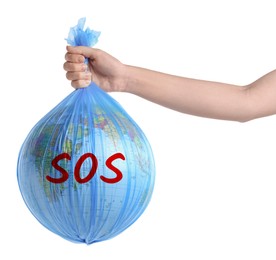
(191, 96)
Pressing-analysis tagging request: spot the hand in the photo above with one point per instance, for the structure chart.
(103, 69)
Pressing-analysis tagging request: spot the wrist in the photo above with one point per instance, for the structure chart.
(131, 79)
(120, 80)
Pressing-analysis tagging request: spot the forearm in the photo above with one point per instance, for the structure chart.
(190, 96)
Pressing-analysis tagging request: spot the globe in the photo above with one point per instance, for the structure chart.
(86, 170)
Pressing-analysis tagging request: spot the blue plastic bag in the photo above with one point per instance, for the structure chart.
(86, 170)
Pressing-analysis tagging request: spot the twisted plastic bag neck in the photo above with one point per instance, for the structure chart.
(79, 37)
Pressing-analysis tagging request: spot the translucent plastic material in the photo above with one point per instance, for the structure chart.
(86, 170)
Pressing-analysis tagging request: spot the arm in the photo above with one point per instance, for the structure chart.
(205, 98)
(190, 96)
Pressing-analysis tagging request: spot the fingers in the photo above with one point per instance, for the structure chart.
(79, 79)
(80, 83)
(76, 69)
(75, 58)
(78, 76)
(87, 52)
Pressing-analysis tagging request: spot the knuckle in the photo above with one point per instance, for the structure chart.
(75, 58)
(66, 56)
(74, 84)
(80, 83)
(65, 66)
(68, 75)
(73, 75)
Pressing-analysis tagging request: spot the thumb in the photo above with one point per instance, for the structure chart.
(87, 52)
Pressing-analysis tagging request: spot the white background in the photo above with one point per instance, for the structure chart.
(215, 192)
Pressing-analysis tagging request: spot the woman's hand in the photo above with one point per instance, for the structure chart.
(103, 69)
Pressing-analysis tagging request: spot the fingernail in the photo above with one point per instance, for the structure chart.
(84, 67)
(87, 76)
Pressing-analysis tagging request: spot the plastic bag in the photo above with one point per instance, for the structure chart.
(86, 170)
